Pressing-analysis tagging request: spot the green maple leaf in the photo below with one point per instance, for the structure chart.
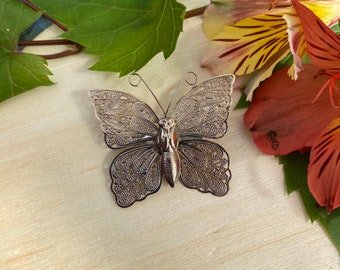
(124, 34)
(295, 169)
(19, 72)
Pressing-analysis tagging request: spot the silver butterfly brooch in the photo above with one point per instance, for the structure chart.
(171, 146)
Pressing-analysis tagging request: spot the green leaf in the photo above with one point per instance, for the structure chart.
(18, 72)
(331, 223)
(287, 61)
(295, 170)
(336, 28)
(242, 102)
(124, 34)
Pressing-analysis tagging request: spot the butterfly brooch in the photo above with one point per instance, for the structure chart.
(173, 146)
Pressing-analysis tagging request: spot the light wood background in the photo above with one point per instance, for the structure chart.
(57, 210)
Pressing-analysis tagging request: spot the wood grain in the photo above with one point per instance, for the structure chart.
(57, 211)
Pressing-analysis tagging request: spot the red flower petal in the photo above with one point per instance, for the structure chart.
(324, 167)
(281, 116)
(323, 45)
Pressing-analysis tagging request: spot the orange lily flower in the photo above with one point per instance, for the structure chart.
(254, 45)
(284, 115)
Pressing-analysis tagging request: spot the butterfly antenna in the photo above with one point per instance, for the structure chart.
(133, 82)
(190, 78)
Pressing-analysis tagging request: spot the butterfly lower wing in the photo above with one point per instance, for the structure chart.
(203, 111)
(135, 174)
(204, 166)
(125, 119)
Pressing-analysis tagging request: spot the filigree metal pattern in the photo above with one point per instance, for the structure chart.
(205, 166)
(135, 173)
(125, 119)
(203, 111)
(172, 147)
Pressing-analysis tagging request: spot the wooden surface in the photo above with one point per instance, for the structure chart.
(57, 210)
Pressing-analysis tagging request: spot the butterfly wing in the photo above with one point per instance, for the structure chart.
(204, 166)
(135, 174)
(203, 111)
(125, 119)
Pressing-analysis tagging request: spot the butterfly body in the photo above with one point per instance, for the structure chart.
(167, 142)
(173, 147)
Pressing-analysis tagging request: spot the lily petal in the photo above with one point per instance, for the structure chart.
(246, 46)
(257, 43)
(324, 167)
(281, 116)
(253, 80)
(296, 42)
(221, 13)
(323, 45)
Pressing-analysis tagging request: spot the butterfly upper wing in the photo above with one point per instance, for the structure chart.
(135, 174)
(203, 111)
(204, 166)
(125, 119)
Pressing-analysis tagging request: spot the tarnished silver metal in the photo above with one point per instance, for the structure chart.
(167, 142)
(173, 146)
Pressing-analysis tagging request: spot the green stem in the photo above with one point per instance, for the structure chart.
(76, 46)
(195, 12)
(28, 3)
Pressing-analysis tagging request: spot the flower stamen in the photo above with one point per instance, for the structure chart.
(331, 84)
